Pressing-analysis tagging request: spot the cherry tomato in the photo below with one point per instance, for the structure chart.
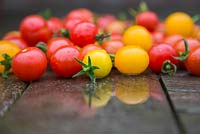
(138, 36)
(116, 37)
(102, 60)
(56, 43)
(196, 32)
(29, 64)
(105, 20)
(192, 63)
(148, 19)
(112, 46)
(11, 35)
(88, 48)
(81, 13)
(116, 27)
(70, 23)
(63, 61)
(160, 27)
(8, 48)
(179, 23)
(19, 42)
(159, 54)
(34, 29)
(83, 33)
(192, 44)
(157, 37)
(54, 24)
(131, 60)
(172, 39)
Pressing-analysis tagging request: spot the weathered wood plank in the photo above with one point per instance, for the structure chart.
(126, 105)
(184, 91)
(10, 89)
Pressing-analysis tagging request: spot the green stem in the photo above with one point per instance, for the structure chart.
(46, 14)
(101, 37)
(168, 68)
(183, 55)
(7, 64)
(42, 46)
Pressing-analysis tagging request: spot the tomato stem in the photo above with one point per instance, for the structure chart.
(112, 56)
(196, 18)
(62, 33)
(101, 37)
(168, 68)
(42, 46)
(142, 7)
(46, 14)
(7, 64)
(183, 55)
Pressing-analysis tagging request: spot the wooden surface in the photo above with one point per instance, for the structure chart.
(141, 104)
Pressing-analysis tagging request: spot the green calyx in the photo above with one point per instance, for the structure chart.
(87, 69)
(62, 33)
(183, 55)
(42, 46)
(168, 68)
(101, 37)
(7, 64)
(46, 14)
(142, 8)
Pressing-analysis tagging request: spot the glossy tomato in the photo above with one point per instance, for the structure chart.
(81, 13)
(116, 37)
(83, 33)
(116, 27)
(56, 43)
(192, 63)
(63, 61)
(131, 60)
(105, 20)
(172, 39)
(34, 29)
(11, 35)
(159, 54)
(112, 46)
(29, 64)
(70, 23)
(19, 42)
(148, 19)
(54, 24)
(157, 37)
(88, 48)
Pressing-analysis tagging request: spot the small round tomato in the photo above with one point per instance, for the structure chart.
(179, 23)
(88, 48)
(81, 13)
(56, 43)
(157, 37)
(159, 54)
(11, 35)
(172, 39)
(8, 48)
(29, 64)
(138, 36)
(70, 23)
(116, 27)
(116, 37)
(54, 24)
(131, 60)
(19, 42)
(160, 27)
(192, 63)
(100, 59)
(105, 20)
(148, 19)
(112, 46)
(34, 29)
(192, 44)
(63, 61)
(83, 33)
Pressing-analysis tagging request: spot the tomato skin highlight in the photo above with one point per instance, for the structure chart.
(55, 43)
(192, 63)
(83, 33)
(34, 29)
(29, 64)
(63, 61)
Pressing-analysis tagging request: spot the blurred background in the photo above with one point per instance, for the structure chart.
(12, 11)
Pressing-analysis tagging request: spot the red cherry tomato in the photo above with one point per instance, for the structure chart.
(104, 20)
(159, 54)
(192, 44)
(88, 48)
(81, 13)
(54, 24)
(34, 29)
(172, 39)
(148, 19)
(112, 46)
(29, 64)
(63, 62)
(116, 37)
(83, 33)
(192, 63)
(70, 23)
(160, 27)
(11, 35)
(157, 37)
(56, 43)
(19, 42)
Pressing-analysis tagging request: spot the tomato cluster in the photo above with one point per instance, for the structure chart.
(82, 42)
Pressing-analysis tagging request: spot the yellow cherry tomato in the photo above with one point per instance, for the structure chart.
(102, 60)
(137, 36)
(132, 90)
(179, 23)
(8, 48)
(131, 60)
